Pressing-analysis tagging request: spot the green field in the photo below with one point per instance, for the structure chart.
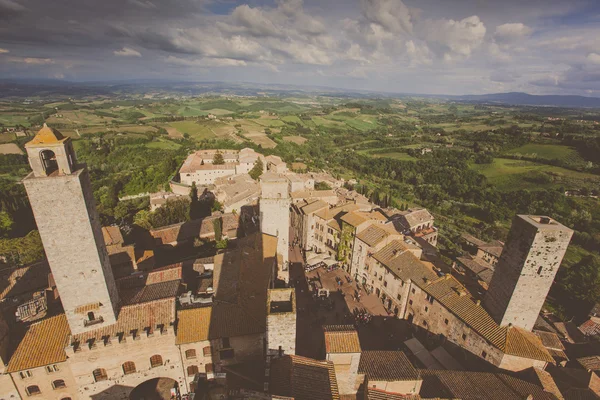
(164, 145)
(194, 129)
(507, 174)
(547, 152)
(396, 156)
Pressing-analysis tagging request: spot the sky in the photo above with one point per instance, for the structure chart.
(403, 46)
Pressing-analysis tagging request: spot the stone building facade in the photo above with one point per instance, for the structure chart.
(61, 197)
(275, 216)
(529, 262)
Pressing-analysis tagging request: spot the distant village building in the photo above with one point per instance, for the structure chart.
(199, 168)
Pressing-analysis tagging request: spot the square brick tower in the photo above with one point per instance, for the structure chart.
(530, 259)
(275, 216)
(61, 197)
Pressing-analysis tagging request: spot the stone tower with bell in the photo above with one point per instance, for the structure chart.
(60, 194)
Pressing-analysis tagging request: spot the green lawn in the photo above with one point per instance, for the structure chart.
(509, 174)
(396, 156)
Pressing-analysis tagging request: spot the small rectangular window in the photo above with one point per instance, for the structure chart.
(446, 321)
(410, 302)
(413, 290)
(464, 336)
(483, 354)
(225, 342)
(426, 309)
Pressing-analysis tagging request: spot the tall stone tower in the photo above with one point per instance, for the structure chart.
(61, 197)
(275, 216)
(533, 252)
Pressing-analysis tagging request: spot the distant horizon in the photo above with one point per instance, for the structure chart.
(307, 88)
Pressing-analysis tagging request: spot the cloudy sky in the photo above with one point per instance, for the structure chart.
(415, 46)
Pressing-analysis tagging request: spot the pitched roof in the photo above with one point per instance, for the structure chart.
(467, 385)
(545, 380)
(185, 230)
(475, 264)
(590, 328)
(134, 317)
(417, 217)
(240, 279)
(43, 344)
(330, 213)
(387, 366)
(376, 233)
(112, 235)
(314, 206)
(550, 340)
(511, 340)
(591, 363)
(47, 135)
(472, 239)
(378, 394)
(403, 263)
(357, 218)
(494, 248)
(303, 378)
(341, 339)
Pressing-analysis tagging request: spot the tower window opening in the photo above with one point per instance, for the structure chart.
(49, 161)
(539, 271)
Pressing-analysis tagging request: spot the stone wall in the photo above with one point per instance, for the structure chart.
(69, 226)
(526, 269)
(112, 357)
(8, 389)
(44, 381)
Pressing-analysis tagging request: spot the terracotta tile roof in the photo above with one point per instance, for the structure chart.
(21, 280)
(376, 233)
(387, 366)
(545, 380)
(335, 225)
(550, 340)
(525, 344)
(135, 317)
(474, 264)
(403, 263)
(591, 363)
(112, 235)
(241, 278)
(341, 339)
(203, 228)
(147, 293)
(354, 219)
(467, 385)
(314, 206)
(330, 213)
(453, 296)
(47, 135)
(590, 328)
(417, 217)
(378, 394)
(494, 248)
(580, 394)
(472, 239)
(303, 378)
(43, 344)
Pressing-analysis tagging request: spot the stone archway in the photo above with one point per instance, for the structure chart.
(155, 389)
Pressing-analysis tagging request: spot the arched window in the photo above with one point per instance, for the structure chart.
(59, 384)
(155, 361)
(192, 370)
(189, 354)
(100, 375)
(129, 367)
(48, 161)
(33, 390)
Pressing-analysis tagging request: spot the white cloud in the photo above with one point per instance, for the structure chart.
(456, 39)
(32, 60)
(3, 51)
(593, 58)
(512, 31)
(127, 52)
(11, 5)
(205, 62)
(393, 15)
(418, 54)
